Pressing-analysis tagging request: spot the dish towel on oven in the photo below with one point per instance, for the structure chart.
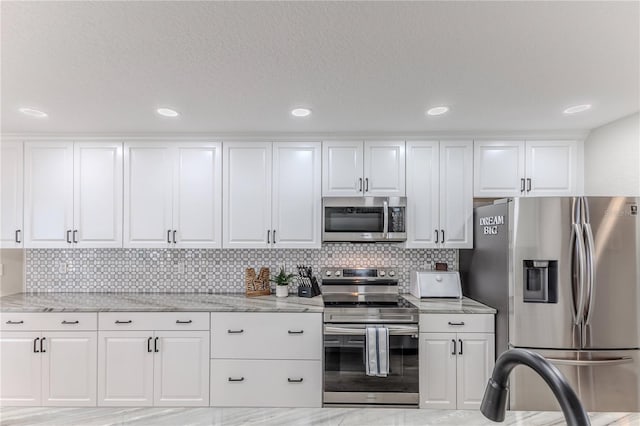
(377, 351)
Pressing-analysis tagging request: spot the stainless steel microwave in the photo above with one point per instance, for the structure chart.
(364, 219)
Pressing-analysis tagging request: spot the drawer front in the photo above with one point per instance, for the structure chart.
(154, 321)
(59, 321)
(266, 383)
(266, 335)
(468, 323)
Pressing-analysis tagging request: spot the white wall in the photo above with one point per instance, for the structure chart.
(612, 158)
(11, 279)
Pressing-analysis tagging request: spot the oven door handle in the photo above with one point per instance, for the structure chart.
(394, 330)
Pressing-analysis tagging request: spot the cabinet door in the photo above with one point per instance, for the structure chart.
(456, 194)
(552, 168)
(197, 195)
(20, 368)
(125, 368)
(48, 198)
(423, 183)
(97, 194)
(147, 194)
(384, 168)
(247, 195)
(342, 166)
(11, 189)
(498, 169)
(296, 195)
(181, 368)
(69, 368)
(437, 370)
(476, 356)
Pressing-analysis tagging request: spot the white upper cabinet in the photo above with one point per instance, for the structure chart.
(384, 168)
(11, 193)
(296, 194)
(499, 168)
(531, 168)
(172, 194)
(271, 195)
(97, 194)
(73, 194)
(247, 195)
(48, 194)
(439, 194)
(356, 168)
(551, 168)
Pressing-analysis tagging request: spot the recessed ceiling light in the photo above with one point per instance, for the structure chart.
(301, 112)
(167, 112)
(577, 108)
(33, 112)
(439, 110)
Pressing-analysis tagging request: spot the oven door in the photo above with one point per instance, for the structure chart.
(345, 380)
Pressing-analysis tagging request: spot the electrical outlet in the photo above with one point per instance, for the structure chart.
(62, 268)
(181, 268)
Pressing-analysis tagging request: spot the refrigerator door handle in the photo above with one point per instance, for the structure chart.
(591, 363)
(580, 284)
(591, 272)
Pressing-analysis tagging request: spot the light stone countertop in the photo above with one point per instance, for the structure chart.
(449, 306)
(103, 416)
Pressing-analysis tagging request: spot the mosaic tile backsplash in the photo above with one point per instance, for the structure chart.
(206, 270)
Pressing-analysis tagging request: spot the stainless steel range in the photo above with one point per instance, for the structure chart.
(356, 299)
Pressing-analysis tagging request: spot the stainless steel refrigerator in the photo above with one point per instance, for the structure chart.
(564, 274)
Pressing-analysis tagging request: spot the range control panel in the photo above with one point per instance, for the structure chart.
(358, 273)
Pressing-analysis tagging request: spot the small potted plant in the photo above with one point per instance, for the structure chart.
(282, 281)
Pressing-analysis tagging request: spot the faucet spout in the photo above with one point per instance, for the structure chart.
(494, 402)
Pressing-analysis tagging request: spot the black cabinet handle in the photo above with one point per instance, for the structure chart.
(169, 236)
(155, 345)
(184, 322)
(528, 184)
(456, 323)
(235, 331)
(69, 236)
(454, 346)
(241, 379)
(442, 230)
(460, 340)
(70, 322)
(174, 236)
(274, 236)
(42, 344)
(290, 380)
(18, 236)
(75, 233)
(123, 322)
(149, 344)
(35, 345)
(522, 185)
(366, 184)
(436, 231)
(360, 189)
(15, 322)
(268, 236)
(295, 331)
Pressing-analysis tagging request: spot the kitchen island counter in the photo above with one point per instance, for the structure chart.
(288, 416)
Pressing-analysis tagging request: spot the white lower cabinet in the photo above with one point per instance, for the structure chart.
(266, 383)
(266, 359)
(153, 367)
(455, 366)
(39, 366)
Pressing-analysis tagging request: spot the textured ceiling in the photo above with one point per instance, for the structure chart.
(361, 67)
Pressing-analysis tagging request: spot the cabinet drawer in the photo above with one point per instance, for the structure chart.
(266, 383)
(81, 321)
(266, 335)
(153, 321)
(468, 323)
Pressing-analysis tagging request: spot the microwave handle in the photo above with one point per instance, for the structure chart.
(385, 219)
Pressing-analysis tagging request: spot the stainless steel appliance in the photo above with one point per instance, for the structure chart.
(564, 274)
(364, 219)
(354, 299)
